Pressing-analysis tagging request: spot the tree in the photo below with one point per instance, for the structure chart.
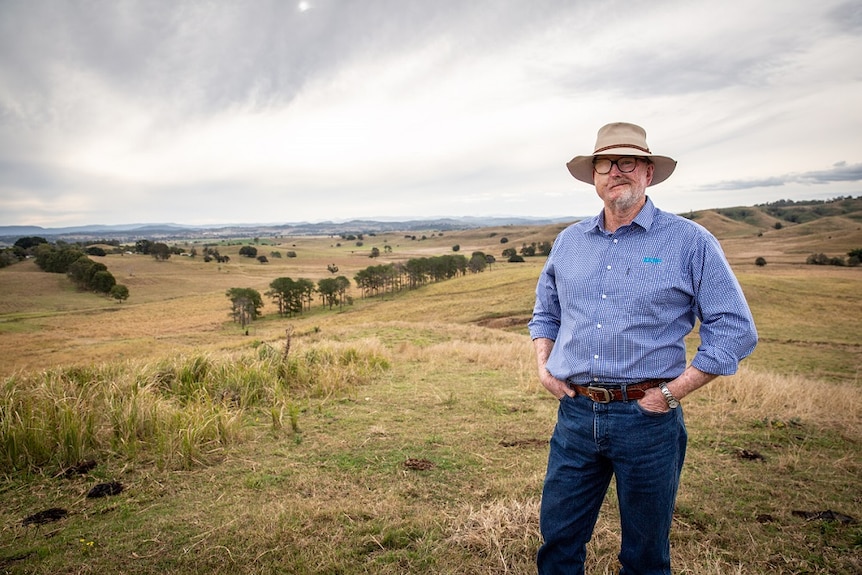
(143, 246)
(28, 242)
(103, 281)
(262, 259)
(333, 290)
(760, 262)
(119, 292)
(246, 304)
(477, 262)
(375, 252)
(248, 251)
(160, 251)
(8, 257)
(291, 297)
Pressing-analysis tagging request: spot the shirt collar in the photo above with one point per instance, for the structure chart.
(644, 219)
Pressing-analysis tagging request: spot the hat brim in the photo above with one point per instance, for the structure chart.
(581, 167)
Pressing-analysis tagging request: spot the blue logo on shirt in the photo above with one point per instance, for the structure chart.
(652, 260)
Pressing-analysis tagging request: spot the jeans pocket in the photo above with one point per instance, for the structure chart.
(649, 413)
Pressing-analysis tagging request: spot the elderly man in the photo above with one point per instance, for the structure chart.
(614, 302)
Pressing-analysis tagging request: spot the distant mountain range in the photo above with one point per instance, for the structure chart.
(745, 220)
(130, 232)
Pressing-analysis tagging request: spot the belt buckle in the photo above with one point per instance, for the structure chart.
(602, 392)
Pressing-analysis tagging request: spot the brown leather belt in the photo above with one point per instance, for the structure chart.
(609, 394)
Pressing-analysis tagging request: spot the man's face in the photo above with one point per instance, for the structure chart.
(620, 188)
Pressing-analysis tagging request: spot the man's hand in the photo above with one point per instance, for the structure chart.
(557, 387)
(654, 401)
(690, 380)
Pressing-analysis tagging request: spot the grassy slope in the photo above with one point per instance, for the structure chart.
(340, 496)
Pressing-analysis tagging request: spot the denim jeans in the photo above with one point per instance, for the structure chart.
(591, 443)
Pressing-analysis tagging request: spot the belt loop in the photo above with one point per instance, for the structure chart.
(624, 392)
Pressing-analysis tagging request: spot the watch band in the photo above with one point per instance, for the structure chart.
(672, 402)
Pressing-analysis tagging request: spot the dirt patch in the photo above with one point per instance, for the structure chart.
(45, 516)
(525, 443)
(419, 464)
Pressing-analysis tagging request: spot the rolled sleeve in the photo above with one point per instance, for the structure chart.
(727, 330)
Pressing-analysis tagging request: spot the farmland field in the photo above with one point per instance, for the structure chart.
(416, 439)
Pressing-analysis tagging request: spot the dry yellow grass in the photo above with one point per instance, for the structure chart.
(461, 395)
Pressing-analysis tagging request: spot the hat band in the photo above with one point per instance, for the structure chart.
(622, 146)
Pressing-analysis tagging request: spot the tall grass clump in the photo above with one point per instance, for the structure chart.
(54, 421)
(759, 395)
(174, 413)
(324, 368)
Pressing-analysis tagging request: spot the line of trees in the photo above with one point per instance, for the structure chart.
(160, 251)
(292, 297)
(417, 272)
(85, 273)
(821, 259)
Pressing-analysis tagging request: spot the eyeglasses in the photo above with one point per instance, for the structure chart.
(626, 165)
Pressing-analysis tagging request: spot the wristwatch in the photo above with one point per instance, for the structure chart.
(672, 402)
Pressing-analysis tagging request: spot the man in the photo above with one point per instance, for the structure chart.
(615, 300)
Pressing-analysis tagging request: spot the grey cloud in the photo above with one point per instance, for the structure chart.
(200, 57)
(848, 17)
(839, 172)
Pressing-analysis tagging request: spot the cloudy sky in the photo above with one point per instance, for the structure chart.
(269, 111)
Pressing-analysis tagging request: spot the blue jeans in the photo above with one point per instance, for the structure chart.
(592, 442)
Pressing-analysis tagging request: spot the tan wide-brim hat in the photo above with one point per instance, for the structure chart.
(621, 139)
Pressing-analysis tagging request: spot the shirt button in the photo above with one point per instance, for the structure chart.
(616, 241)
(609, 267)
(604, 296)
(595, 357)
(598, 325)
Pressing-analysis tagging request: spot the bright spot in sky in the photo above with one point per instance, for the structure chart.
(303, 6)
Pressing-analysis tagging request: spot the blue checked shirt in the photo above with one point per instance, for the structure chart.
(618, 306)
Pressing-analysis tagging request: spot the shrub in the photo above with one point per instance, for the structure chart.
(760, 262)
(817, 259)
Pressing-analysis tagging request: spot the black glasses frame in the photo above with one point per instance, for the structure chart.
(616, 163)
